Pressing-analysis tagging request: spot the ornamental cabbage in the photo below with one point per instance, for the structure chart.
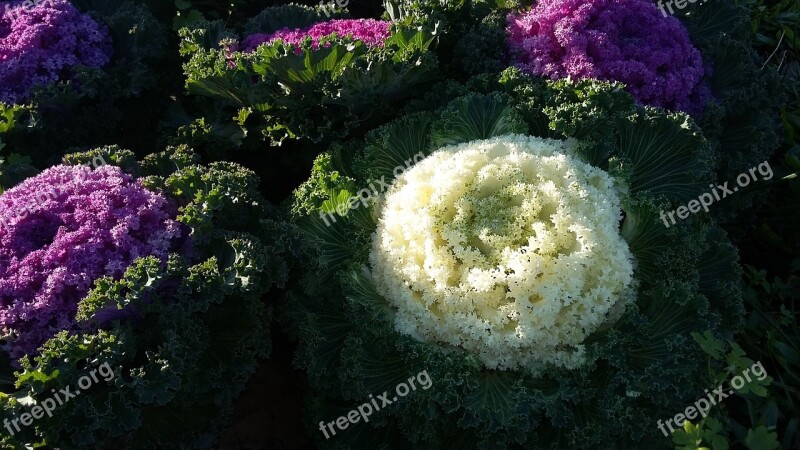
(727, 88)
(369, 31)
(44, 43)
(56, 45)
(182, 330)
(508, 248)
(616, 40)
(310, 86)
(522, 264)
(62, 230)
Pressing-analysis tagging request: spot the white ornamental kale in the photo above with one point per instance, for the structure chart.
(508, 247)
(532, 278)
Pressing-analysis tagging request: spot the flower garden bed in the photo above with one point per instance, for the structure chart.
(427, 224)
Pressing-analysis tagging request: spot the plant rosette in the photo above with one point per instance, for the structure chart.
(508, 248)
(62, 230)
(530, 276)
(70, 61)
(371, 32)
(297, 76)
(156, 269)
(699, 61)
(628, 41)
(40, 45)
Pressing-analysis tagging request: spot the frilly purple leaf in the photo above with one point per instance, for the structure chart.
(42, 44)
(62, 230)
(372, 32)
(614, 40)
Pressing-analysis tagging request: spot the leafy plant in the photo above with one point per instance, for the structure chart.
(63, 114)
(182, 336)
(472, 37)
(628, 41)
(9, 114)
(638, 367)
(311, 92)
(710, 432)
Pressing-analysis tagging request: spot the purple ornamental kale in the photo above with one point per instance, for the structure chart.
(62, 230)
(614, 40)
(372, 32)
(42, 44)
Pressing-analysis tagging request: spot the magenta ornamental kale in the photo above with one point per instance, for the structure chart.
(41, 45)
(372, 32)
(59, 232)
(614, 40)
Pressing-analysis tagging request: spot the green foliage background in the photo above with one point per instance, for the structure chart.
(141, 102)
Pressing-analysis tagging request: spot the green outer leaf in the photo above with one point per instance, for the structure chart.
(668, 153)
(397, 143)
(185, 333)
(643, 365)
(476, 117)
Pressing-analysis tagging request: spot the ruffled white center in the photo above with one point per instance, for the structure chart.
(508, 248)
